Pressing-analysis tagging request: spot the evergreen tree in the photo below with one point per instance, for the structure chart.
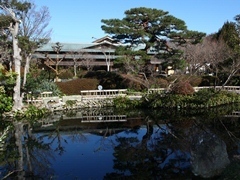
(146, 31)
(230, 35)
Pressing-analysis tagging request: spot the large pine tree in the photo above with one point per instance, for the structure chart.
(147, 31)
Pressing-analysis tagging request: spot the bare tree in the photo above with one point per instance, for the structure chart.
(215, 52)
(87, 61)
(33, 32)
(206, 55)
(81, 58)
(75, 58)
(107, 56)
(232, 68)
(53, 63)
(230, 35)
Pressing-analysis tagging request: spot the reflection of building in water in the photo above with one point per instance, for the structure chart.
(97, 121)
(233, 114)
(96, 116)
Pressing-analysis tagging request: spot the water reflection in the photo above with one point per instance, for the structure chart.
(113, 144)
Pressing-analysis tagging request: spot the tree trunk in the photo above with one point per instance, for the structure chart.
(17, 64)
(26, 69)
(18, 135)
(75, 67)
(229, 77)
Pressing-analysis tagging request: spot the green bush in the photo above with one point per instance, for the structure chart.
(201, 99)
(6, 103)
(46, 85)
(32, 113)
(124, 103)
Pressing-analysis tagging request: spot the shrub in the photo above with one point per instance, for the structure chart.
(32, 113)
(74, 86)
(183, 88)
(159, 83)
(6, 103)
(125, 103)
(49, 86)
(66, 74)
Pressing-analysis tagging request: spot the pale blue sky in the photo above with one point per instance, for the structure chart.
(77, 21)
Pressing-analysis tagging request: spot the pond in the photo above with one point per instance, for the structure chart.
(117, 144)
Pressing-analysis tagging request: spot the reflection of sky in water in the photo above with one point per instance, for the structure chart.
(92, 156)
(83, 160)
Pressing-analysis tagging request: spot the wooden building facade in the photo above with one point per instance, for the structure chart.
(100, 54)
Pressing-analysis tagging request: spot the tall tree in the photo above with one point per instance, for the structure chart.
(24, 26)
(145, 31)
(53, 63)
(33, 32)
(11, 11)
(206, 55)
(230, 34)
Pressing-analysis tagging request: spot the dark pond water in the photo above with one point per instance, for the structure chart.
(134, 144)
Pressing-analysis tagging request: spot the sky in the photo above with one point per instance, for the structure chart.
(79, 21)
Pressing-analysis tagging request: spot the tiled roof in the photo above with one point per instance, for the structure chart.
(67, 47)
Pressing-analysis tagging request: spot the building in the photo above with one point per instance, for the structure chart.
(100, 54)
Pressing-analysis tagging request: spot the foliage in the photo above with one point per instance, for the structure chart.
(145, 30)
(109, 80)
(6, 103)
(202, 99)
(34, 78)
(70, 103)
(125, 102)
(37, 82)
(49, 86)
(7, 80)
(230, 35)
(209, 81)
(31, 113)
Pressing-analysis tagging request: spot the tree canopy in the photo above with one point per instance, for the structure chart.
(25, 27)
(150, 30)
(230, 35)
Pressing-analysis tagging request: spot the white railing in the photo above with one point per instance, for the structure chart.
(156, 90)
(104, 93)
(226, 88)
(104, 118)
(33, 98)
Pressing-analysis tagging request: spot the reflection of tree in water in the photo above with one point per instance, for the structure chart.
(57, 138)
(188, 145)
(155, 156)
(25, 156)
